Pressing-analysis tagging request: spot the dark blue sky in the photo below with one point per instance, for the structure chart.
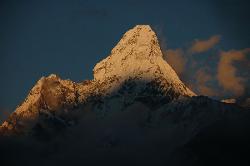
(69, 37)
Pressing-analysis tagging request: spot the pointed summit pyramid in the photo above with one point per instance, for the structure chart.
(138, 55)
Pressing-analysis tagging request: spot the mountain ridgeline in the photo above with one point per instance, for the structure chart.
(135, 111)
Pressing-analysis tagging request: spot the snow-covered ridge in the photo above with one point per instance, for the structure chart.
(50, 93)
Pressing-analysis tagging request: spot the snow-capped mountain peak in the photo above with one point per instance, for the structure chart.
(138, 55)
(135, 67)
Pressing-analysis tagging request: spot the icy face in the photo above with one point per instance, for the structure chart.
(138, 55)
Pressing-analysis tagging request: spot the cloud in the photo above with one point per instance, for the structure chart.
(176, 59)
(220, 76)
(202, 80)
(227, 71)
(200, 46)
